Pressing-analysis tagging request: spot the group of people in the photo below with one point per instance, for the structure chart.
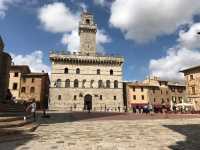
(143, 109)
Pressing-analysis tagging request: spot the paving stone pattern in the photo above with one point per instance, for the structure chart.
(113, 135)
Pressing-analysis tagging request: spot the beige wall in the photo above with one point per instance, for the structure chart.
(138, 94)
(154, 93)
(88, 72)
(37, 85)
(15, 80)
(193, 83)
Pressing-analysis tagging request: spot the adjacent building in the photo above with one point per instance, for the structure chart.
(192, 79)
(86, 79)
(16, 72)
(5, 62)
(26, 85)
(155, 91)
(35, 86)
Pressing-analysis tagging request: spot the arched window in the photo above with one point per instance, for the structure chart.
(32, 90)
(77, 71)
(91, 83)
(111, 72)
(108, 84)
(115, 84)
(58, 83)
(76, 83)
(66, 70)
(83, 83)
(23, 90)
(100, 84)
(67, 83)
(98, 71)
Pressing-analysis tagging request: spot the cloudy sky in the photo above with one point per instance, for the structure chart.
(156, 37)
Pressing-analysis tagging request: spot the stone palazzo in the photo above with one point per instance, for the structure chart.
(86, 78)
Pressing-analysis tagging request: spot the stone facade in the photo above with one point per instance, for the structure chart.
(192, 79)
(154, 91)
(87, 33)
(35, 86)
(5, 62)
(16, 72)
(86, 79)
(26, 85)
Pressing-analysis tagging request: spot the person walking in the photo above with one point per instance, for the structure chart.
(32, 106)
(150, 108)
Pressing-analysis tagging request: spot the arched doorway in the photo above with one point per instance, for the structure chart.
(88, 102)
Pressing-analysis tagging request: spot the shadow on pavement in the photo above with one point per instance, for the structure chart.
(192, 133)
(10, 139)
(57, 117)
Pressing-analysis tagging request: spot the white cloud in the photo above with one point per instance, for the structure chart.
(190, 38)
(145, 20)
(56, 17)
(72, 40)
(4, 4)
(168, 67)
(34, 60)
(185, 54)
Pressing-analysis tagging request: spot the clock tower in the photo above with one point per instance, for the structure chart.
(87, 33)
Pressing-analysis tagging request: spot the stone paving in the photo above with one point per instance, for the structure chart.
(177, 134)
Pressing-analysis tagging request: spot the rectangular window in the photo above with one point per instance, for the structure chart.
(100, 97)
(115, 97)
(153, 91)
(142, 89)
(16, 74)
(180, 99)
(193, 90)
(191, 77)
(133, 89)
(163, 101)
(14, 86)
(59, 97)
(75, 97)
(154, 99)
(142, 97)
(23, 90)
(134, 97)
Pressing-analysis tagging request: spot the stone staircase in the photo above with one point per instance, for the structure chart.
(12, 121)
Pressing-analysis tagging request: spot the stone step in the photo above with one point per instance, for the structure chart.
(17, 123)
(12, 114)
(13, 118)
